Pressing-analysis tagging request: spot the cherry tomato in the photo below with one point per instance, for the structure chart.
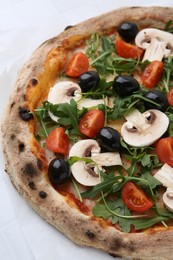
(77, 65)
(170, 97)
(127, 50)
(91, 122)
(164, 150)
(135, 198)
(57, 141)
(152, 74)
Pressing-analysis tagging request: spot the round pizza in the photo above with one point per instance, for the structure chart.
(88, 132)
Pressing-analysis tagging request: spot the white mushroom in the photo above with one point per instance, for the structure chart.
(168, 199)
(87, 174)
(165, 176)
(144, 129)
(64, 91)
(157, 44)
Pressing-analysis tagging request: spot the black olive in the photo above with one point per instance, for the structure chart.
(108, 139)
(58, 171)
(125, 85)
(88, 80)
(157, 97)
(25, 114)
(128, 31)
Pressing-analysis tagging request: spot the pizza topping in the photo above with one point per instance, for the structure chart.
(135, 198)
(88, 80)
(77, 65)
(125, 85)
(144, 129)
(152, 74)
(165, 176)
(127, 50)
(25, 114)
(57, 141)
(91, 122)
(58, 171)
(128, 31)
(157, 44)
(168, 199)
(159, 99)
(170, 97)
(108, 139)
(164, 150)
(85, 171)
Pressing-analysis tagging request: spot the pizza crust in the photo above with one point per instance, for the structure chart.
(28, 172)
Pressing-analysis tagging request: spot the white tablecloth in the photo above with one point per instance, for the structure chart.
(24, 24)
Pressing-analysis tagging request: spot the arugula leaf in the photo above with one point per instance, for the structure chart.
(148, 222)
(117, 209)
(74, 159)
(168, 27)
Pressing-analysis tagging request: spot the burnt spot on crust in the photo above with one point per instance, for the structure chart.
(29, 170)
(34, 82)
(21, 147)
(42, 194)
(90, 234)
(68, 27)
(118, 243)
(25, 114)
(12, 104)
(40, 164)
(12, 137)
(32, 186)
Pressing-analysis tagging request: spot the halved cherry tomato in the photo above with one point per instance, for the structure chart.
(127, 50)
(57, 141)
(152, 74)
(91, 122)
(135, 198)
(77, 65)
(164, 150)
(170, 97)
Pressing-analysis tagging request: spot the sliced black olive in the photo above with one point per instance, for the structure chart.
(88, 80)
(125, 85)
(25, 114)
(108, 139)
(58, 171)
(128, 31)
(157, 97)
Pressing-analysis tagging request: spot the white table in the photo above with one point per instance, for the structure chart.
(24, 24)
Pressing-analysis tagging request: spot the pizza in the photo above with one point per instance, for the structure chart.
(88, 132)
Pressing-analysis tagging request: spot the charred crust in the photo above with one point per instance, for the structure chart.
(118, 244)
(12, 104)
(32, 186)
(12, 137)
(29, 170)
(90, 234)
(68, 27)
(42, 194)
(34, 82)
(25, 114)
(40, 164)
(21, 147)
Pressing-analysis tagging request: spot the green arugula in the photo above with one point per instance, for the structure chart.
(168, 27)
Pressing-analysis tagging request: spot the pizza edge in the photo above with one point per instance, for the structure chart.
(25, 169)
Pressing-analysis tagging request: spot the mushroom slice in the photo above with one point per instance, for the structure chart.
(107, 159)
(144, 129)
(158, 44)
(63, 92)
(88, 174)
(165, 176)
(168, 199)
(82, 172)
